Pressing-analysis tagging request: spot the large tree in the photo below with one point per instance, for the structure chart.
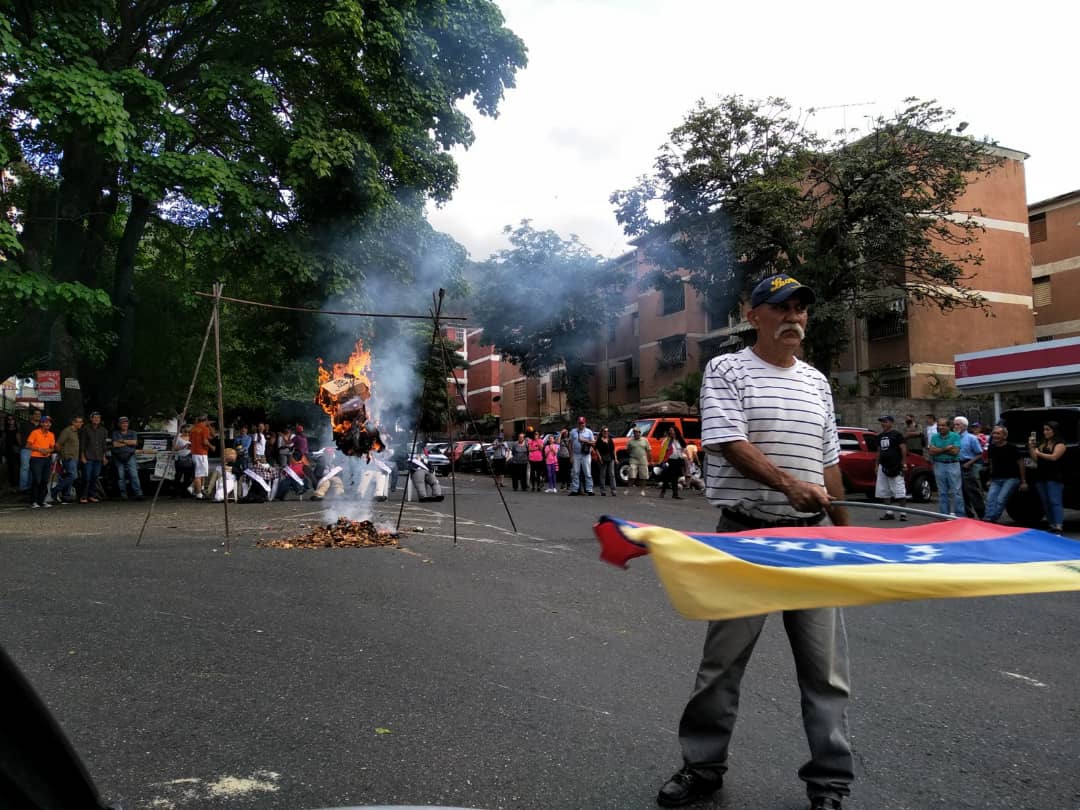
(743, 189)
(273, 128)
(544, 301)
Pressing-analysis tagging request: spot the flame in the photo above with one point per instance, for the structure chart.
(345, 388)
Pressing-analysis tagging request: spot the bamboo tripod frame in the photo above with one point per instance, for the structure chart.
(213, 326)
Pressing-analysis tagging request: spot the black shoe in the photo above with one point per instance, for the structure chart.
(687, 787)
(825, 803)
(590, 494)
(676, 497)
(573, 492)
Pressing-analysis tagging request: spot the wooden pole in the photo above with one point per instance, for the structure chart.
(179, 422)
(221, 410)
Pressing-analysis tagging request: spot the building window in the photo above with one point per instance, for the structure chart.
(629, 374)
(890, 324)
(558, 380)
(672, 352)
(1040, 288)
(543, 392)
(673, 296)
(612, 378)
(635, 324)
(520, 391)
(898, 387)
(611, 332)
(1037, 228)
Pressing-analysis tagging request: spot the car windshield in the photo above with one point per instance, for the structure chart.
(643, 425)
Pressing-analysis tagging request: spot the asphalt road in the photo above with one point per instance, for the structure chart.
(511, 670)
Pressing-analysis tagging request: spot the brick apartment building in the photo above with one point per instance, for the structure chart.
(1054, 225)
(909, 352)
(661, 336)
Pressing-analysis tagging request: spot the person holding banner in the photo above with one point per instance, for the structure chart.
(328, 475)
(769, 430)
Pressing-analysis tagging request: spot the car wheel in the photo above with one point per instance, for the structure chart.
(1025, 508)
(623, 471)
(922, 489)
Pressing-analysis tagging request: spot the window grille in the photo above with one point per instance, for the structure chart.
(1041, 294)
(673, 297)
(1037, 228)
(672, 352)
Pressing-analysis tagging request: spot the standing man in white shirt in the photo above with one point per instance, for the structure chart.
(582, 440)
(770, 431)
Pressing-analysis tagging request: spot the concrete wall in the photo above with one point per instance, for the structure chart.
(865, 411)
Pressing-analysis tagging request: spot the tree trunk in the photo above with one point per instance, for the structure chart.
(125, 301)
(64, 355)
(577, 387)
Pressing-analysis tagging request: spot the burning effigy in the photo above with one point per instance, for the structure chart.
(345, 395)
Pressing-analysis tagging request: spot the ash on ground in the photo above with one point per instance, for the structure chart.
(343, 534)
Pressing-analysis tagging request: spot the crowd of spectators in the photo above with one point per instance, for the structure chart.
(50, 465)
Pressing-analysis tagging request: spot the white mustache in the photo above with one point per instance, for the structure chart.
(789, 327)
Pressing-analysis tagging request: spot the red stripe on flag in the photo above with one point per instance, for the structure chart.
(963, 530)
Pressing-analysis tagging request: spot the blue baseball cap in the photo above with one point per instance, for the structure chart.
(778, 289)
(886, 418)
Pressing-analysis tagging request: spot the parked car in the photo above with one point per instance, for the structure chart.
(655, 429)
(1025, 507)
(149, 444)
(435, 460)
(470, 457)
(858, 465)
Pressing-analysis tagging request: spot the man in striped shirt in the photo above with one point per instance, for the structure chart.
(773, 453)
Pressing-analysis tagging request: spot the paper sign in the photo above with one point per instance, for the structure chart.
(48, 386)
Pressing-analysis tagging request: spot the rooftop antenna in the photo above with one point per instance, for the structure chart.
(843, 108)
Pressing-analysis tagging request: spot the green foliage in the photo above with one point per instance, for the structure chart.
(747, 191)
(686, 390)
(544, 301)
(287, 148)
(435, 403)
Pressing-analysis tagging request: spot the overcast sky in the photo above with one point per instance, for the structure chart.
(608, 79)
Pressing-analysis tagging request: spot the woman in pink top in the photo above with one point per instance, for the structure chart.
(536, 461)
(551, 458)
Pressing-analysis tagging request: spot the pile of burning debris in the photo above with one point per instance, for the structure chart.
(345, 533)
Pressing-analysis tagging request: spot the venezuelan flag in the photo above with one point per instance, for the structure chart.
(724, 576)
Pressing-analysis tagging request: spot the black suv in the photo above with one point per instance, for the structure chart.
(1025, 507)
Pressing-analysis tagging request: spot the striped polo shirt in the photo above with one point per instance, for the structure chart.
(787, 413)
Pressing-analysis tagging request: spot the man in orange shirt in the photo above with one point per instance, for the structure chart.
(41, 442)
(200, 437)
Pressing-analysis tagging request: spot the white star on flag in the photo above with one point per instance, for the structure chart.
(756, 541)
(790, 545)
(923, 553)
(829, 552)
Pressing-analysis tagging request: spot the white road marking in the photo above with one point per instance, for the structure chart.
(489, 540)
(177, 793)
(592, 709)
(1025, 679)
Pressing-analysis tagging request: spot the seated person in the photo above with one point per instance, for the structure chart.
(293, 479)
(423, 479)
(327, 475)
